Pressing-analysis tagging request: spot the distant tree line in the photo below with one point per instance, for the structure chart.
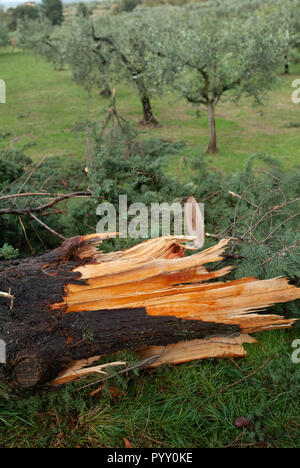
(50, 9)
(204, 52)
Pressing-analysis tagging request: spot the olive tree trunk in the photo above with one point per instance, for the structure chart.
(148, 117)
(212, 146)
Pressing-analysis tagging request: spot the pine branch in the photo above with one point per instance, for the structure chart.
(41, 208)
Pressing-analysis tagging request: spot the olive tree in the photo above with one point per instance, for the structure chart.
(219, 59)
(281, 14)
(133, 40)
(53, 10)
(287, 16)
(91, 67)
(4, 37)
(41, 38)
(82, 10)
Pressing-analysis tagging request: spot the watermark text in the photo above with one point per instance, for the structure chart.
(2, 352)
(2, 92)
(296, 353)
(296, 93)
(141, 221)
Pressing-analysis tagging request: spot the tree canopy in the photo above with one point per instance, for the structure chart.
(217, 59)
(4, 37)
(204, 52)
(41, 38)
(53, 10)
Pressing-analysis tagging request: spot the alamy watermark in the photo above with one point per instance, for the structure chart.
(296, 354)
(296, 93)
(2, 92)
(141, 221)
(2, 352)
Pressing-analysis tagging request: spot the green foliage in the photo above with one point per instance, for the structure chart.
(26, 12)
(7, 252)
(82, 10)
(279, 16)
(113, 48)
(19, 174)
(13, 164)
(21, 12)
(259, 209)
(123, 164)
(201, 56)
(40, 38)
(134, 40)
(218, 58)
(91, 68)
(4, 37)
(53, 10)
(126, 6)
(184, 407)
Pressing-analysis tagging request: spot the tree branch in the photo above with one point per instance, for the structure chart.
(47, 227)
(39, 209)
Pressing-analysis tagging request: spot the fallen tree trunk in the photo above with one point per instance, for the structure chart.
(75, 303)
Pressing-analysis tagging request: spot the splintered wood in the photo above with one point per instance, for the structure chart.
(156, 276)
(59, 312)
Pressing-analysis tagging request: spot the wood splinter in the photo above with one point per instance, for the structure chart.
(90, 304)
(8, 296)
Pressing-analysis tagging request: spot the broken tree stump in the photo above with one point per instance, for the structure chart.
(75, 303)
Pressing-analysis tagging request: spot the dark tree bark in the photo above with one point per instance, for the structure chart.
(148, 117)
(212, 146)
(41, 341)
(147, 112)
(286, 69)
(106, 92)
(286, 65)
(76, 303)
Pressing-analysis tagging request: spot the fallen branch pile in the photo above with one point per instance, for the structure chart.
(77, 304)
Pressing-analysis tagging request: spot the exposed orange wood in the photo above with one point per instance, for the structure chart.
(149, 294)
(161, 285)
(156, 276)
(177, 287)
(164, 247)
(185, 351)
(141, 266)
(79, 369)
(230, 302)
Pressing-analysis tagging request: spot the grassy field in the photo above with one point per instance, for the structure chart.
(192, 405)
(45, 109)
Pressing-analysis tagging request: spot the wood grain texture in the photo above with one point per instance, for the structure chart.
(76, 302)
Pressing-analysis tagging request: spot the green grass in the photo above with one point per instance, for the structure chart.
(180, 406)
(176, 406)
(44, 106)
